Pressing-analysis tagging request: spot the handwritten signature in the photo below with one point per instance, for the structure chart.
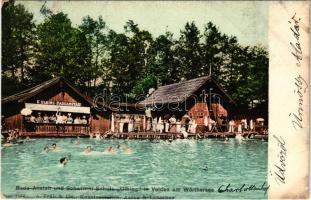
(296, 47)
(300, 83)
(301, 88)
(243, 188)
(280, 167)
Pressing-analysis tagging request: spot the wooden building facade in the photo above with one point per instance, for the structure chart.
(54, 107)
(197, 99)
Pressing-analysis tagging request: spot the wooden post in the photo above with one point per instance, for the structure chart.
(22, 120)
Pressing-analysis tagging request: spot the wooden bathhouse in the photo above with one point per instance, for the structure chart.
(53, 108)
(197, 99)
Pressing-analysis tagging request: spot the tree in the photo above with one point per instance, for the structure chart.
(117, 62)
(127, 63)
(96, 38)
(188, 52)
(129, 57)
(214, 52)
(164, 67)
(63, 51)
(140, 42)
(143, 86)
(18, 40)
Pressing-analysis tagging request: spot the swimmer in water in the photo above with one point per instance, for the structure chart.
(78, 140)
(88, 150)
(109, 150)
(128, 151)
(205, 168)
(46, 149)
(63, 161)
(54, 147)
(7, 144)
(97, 136)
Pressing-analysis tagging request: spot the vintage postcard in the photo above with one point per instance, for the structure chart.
(154, 99)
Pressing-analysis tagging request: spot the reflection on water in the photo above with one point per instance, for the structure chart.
(207, 164)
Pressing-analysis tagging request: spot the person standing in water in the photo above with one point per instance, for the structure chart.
(63, 161)
(109, 150)
(88, 150)
(46, 149)
(55, 148)
(127, 150)
(7, 144)
(78, 140)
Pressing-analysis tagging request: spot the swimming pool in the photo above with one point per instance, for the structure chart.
(180, 169)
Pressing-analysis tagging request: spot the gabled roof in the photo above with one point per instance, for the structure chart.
(28, 93)
(179, 92)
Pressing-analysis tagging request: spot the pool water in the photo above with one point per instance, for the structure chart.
(154, 170)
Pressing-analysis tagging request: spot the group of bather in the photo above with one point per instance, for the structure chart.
(13, 137)
(88, 150)
(110, 150)
(171, 124)
(58, 118)
(187, 124)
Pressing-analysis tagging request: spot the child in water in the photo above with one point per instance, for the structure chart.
(127, 150)
(88, 150)
(109, 150)
(78, 140)
(63, 161)
(7, 144)
(46, 149)
(55, 148)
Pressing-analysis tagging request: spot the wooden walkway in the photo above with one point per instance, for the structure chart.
(157, 135)
(151, 135)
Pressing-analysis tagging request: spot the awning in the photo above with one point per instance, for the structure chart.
(71, 109)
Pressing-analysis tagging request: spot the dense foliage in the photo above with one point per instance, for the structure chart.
(96, 58)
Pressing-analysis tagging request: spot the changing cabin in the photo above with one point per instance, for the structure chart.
(198, 99)
(53, 108)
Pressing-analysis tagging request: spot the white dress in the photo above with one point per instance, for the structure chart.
(59, 119)
(193, 127)
(184, 132)
(244, 121)
(189, 127)
(167, 125)
(130, 126)
(206, 121)
(160, 125)
(251, 125)
(231, 128)
(154, 124)
(178, 127)
(121, 126)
